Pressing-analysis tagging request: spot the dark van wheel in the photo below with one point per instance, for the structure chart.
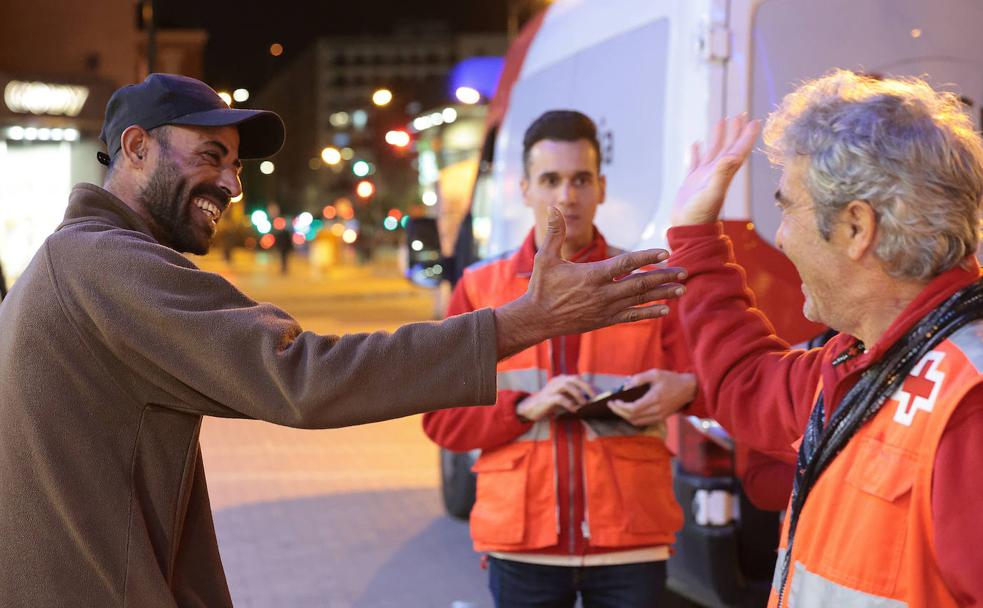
(457, 482)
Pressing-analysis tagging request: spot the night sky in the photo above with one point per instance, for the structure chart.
(241, 32)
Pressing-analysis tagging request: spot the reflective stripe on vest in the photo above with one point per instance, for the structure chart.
(813, 591)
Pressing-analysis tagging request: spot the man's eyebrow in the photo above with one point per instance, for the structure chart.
(225, 151)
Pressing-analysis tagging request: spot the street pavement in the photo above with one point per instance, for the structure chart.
(336, 518)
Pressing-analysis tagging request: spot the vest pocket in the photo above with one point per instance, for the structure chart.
(630, 486)
(498, 516)
(865, 550)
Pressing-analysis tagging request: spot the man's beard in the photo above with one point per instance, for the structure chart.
(167, 198)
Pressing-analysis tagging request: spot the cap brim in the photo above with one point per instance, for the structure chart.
(261, 132)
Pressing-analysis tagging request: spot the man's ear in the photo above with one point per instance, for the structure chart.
(860, 223)
(135, 145)
(524, 187)
(602, 182)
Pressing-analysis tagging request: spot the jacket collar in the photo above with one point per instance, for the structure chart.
(88, 201)
(594, 251)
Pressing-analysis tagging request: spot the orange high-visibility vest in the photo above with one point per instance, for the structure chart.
(626, 474)
(865, 534)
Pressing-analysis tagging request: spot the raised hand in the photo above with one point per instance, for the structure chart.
(702, 193)
(561, 393)
(567, 298)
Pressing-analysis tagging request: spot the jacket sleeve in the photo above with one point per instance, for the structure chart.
(469, 428)
(175, 336)
(752, 384)
(956, 504)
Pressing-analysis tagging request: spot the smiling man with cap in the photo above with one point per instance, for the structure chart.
(113, 346)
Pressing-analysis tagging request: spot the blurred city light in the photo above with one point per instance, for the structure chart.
(329, 212)
(361, 168)
(236, 199)
(916, 33)
(382, 97)
(18, 133)
(337, 229)
(467, 95)
(398, 138)
(390, 223)
(331, 156)
(417, 245)
(349, 236)
(303, 221)
(276, 49)
(429, 198)
(395, 213)
(279, 223)
(240, 95)
(267, 167)
(404, 221)
(267, 241)
(359, 119)
(298, 238)
(225, 97)
(347, 154)
(259, 217)
(365, 189)
(339, 119)
(449, 115)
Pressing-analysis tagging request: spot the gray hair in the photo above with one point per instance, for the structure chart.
(907, 150)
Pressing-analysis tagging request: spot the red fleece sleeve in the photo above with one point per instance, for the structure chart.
(468, 428)
(767, 480)
(957, 501)
(752, 384)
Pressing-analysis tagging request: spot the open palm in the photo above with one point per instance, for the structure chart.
(702, 193)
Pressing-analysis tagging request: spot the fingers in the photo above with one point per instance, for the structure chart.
(716, 140)
(694, 157)
(744, 142)
(556, 232)
(640, 284)
(638, 313)
(627, 263)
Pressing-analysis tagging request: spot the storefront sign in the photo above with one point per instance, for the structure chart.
(44, 98)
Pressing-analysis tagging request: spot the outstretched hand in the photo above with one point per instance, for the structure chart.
(702, 193)
(566, 298)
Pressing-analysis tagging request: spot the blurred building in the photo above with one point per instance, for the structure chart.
(60, 60)
(325, 96)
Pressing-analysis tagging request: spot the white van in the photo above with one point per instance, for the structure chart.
(655, 75)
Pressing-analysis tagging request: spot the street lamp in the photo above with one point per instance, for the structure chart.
(240, 95)
(225, 97)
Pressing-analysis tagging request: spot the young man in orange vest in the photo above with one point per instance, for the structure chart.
(569, 505)
(880, 199)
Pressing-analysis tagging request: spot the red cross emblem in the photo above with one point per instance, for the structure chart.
(920, 389)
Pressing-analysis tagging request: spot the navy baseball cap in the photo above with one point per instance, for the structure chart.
(170, 99)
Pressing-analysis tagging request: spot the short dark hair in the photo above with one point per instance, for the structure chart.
(560, 125)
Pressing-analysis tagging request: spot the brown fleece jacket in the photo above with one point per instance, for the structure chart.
(112, 348)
